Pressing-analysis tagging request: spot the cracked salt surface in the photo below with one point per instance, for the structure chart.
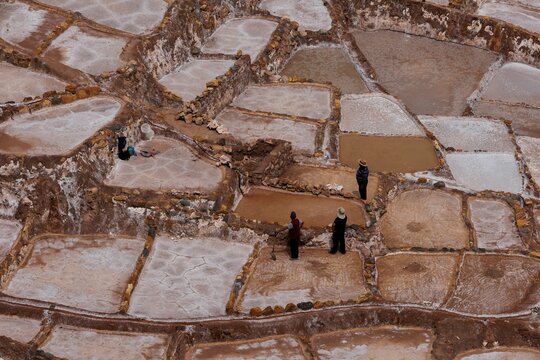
(316, 275)
(187, 278)
(189, 80)
(376, 115)
(517, 15)
(416, 278)
(470, 134)
(19, 329)
(73, 123)
(531, 153)
(486, 171)
(19, 21)
(87, 50)
(74, 343)
(374, 343)
(24, 82)
(248, 35)
(134, 16)
(175, 167)
(9, 232)
(309, 14)
(248, 128)
(493, 222)
(89, 273)
(271, 348)
(502, 353)
(294, 100)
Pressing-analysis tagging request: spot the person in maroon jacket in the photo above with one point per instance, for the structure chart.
(294, 234)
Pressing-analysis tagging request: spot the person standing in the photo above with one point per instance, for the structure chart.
(338, 232)
(294, 234)
(362, 177)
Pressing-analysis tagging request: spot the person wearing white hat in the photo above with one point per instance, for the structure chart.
(338, 232)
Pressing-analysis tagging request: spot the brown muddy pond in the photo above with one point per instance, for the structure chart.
(274, 206)
(431, 77)
(388, 153)
(326, 64)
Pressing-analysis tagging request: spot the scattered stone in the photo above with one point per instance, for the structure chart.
(307, 305)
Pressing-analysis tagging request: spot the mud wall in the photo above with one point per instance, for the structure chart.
(443, 23)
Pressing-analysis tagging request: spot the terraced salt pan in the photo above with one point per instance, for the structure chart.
(374, 343)
(9, 232)
(74, 343)
(24, 83)
(326, 64)
(134, 16)
(189, 80)
(496, 284)
(517, 15)
(376, 115)
(515, 83)
(493, 222)
(431, 77)
(501, 354)
(316, 275)
(274, 206)
(469, 134)
(525, 120)
(248, 35)
(87, 50)
(531, 153)
(31, 134)
(276, 347)
(249, 127)
(424, 279)
(486, 171)
(187, 278)
(25, 26)
(320, 176)
(19, 329)
(89, 273)
(295, 100)
(425, 218)
(309, 14)
(175, 167)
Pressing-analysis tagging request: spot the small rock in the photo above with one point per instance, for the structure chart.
(256, 311)
(439, 185)
(278, 309)
(268, 311)
(290, 307)
(307, 305)
(185, 202)
(421, 180)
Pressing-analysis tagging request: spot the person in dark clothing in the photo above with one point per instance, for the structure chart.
(124, 151)
(294, 234)
(338, 232)
(362, 177)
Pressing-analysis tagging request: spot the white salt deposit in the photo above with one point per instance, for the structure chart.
(72, 123)
(18, 21)
(189, 80)
(187, 278)
(503, 354)
(175, 167)
(531, 153)
(88, 51)
(469, 134)
(493, 223)
(19, 329)
(88, 273)
(377, 115)
(515, 83)
(24, 83)
(248, 128)
(134, 16)
(296, 100)
(310, 14)
(517, 15)
(248, 35)
(73, 343)
(9, 232)
(486, 171)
